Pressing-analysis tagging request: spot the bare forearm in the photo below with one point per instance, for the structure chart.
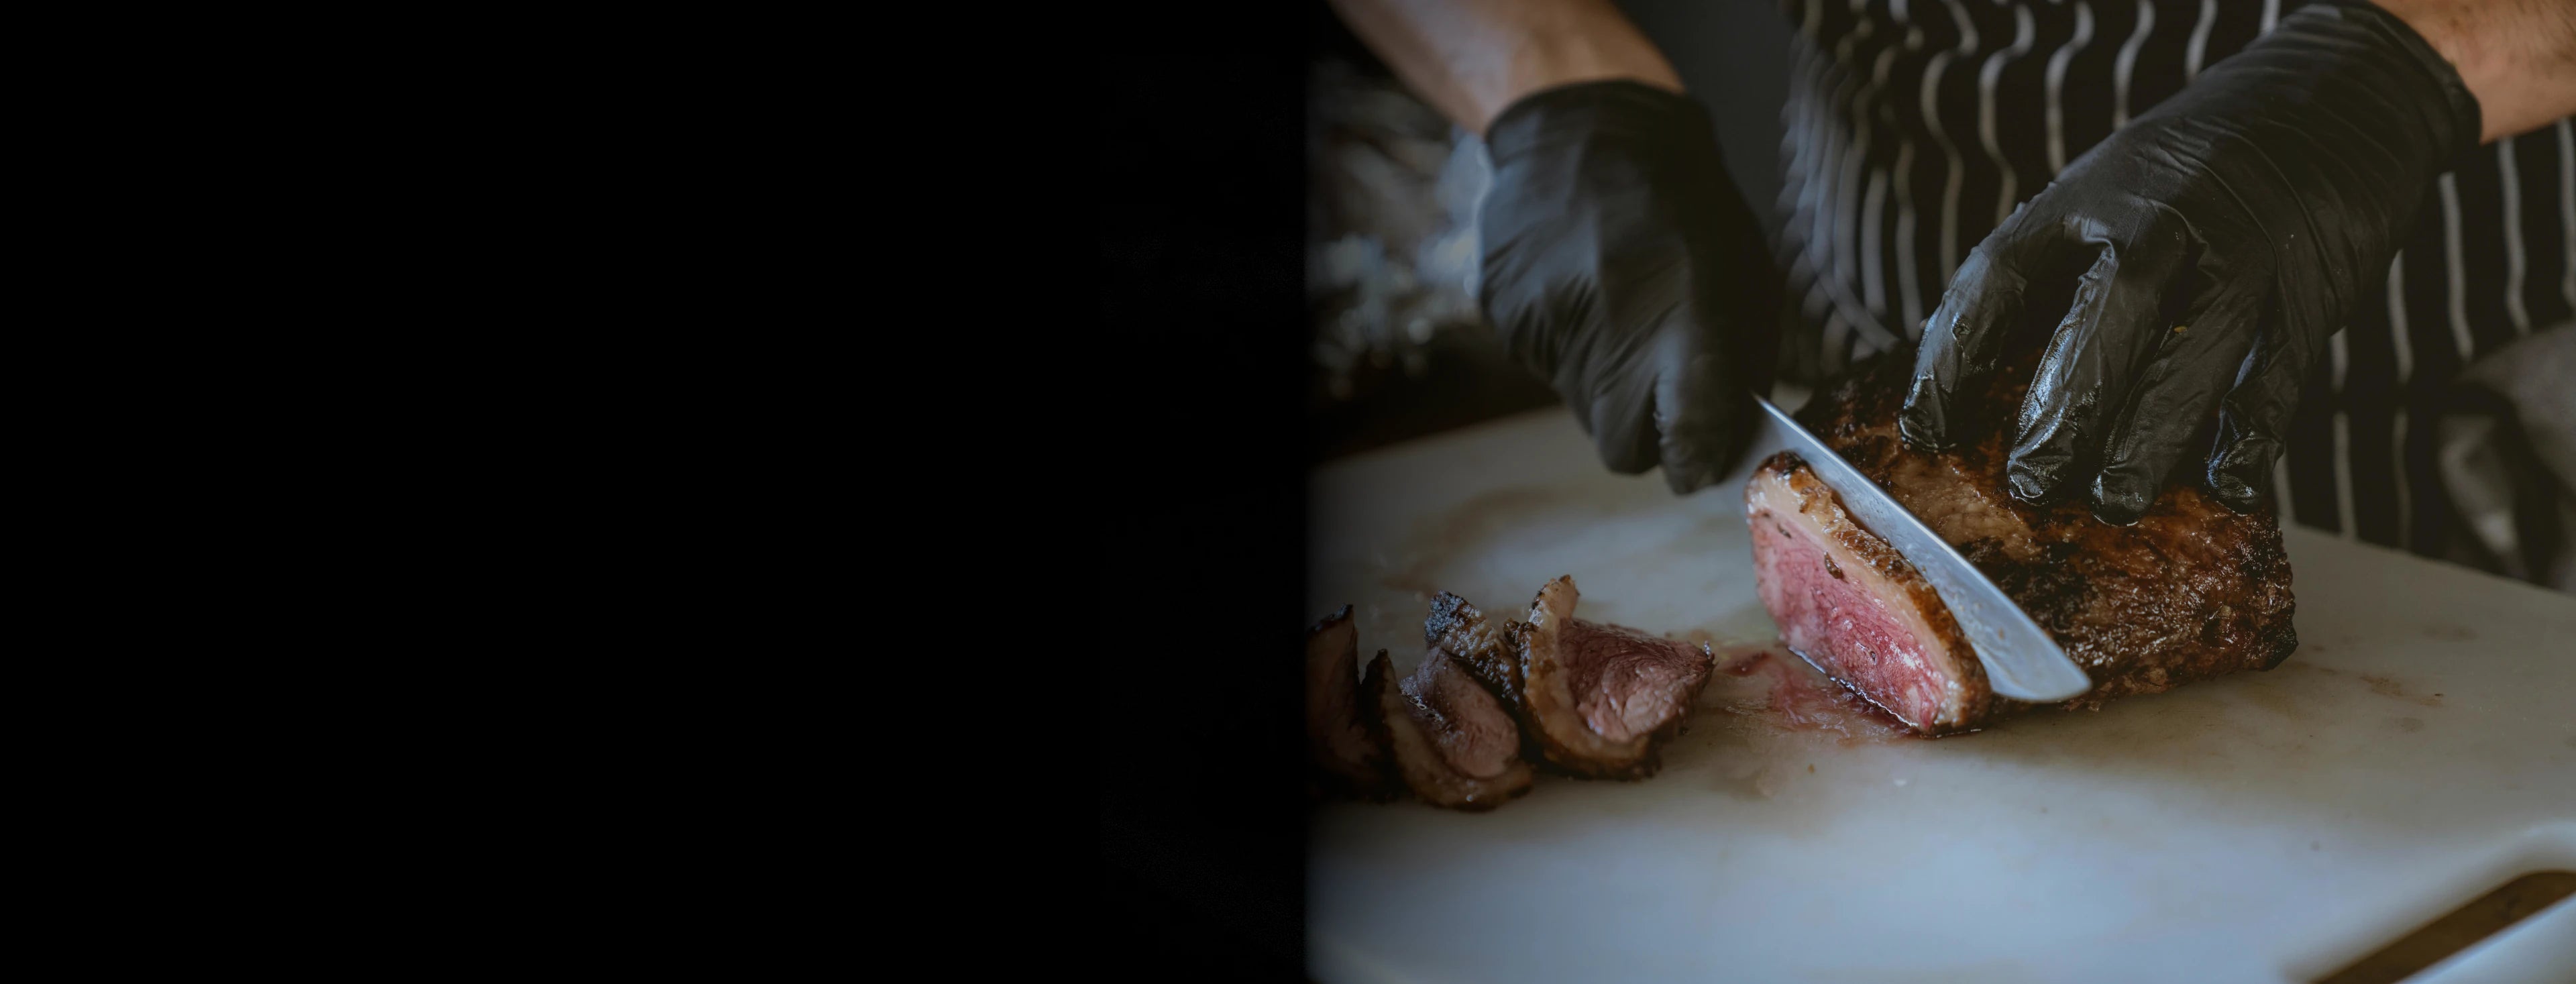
(2517, 56)
(1473, 58)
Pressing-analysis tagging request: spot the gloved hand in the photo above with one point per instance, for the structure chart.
(2212, 246)
(1622, 265)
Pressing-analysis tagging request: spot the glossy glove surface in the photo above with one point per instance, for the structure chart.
(1622, 265)
(2209, 248)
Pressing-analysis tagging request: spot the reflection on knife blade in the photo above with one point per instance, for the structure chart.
(2018, 657)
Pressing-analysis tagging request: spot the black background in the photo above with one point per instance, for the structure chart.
(1201, 263)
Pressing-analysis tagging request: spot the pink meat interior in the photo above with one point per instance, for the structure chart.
(1843, 617)
(1472, 730)
(1629, 683)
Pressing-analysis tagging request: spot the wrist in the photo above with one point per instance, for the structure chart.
(2387, 74)
(1571, 59)
(2518, 59)
(1648, 125)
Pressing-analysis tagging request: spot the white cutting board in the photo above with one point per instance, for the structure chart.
(2261, 827)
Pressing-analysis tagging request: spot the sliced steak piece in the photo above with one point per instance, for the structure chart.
(1454, 744)
(2190, 591)
(1601, 699)
(1344, 740)
(1848, 603)
(1491, 653)
(1488, 651)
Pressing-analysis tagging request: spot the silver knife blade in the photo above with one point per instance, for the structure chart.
(2021, 660)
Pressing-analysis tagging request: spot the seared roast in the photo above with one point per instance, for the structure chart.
(2190, 591)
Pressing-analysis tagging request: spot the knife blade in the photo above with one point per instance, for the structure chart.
(2022, 661)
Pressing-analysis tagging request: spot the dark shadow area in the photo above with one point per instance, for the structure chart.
(1200, 810)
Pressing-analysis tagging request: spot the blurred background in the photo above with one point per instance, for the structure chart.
(1397, 347)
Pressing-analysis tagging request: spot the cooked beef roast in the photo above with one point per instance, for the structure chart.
(1601, 699)
(1342, 740)
(1454, 744)
(2191, 591)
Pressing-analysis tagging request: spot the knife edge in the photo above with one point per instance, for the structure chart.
(2022, 661)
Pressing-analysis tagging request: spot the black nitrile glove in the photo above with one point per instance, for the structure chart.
(2212, 246)
(1622, 265)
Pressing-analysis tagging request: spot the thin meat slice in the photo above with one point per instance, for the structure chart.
(1344, 741)
(2190, 591)
(1848, 603)
(1601, 699)
(1489, 652)
(1454, 744)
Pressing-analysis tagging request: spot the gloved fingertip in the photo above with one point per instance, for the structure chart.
(1626, 447)
(2232, 490)
(2239, 499)
(1918, 422)
(2118, 501)
(2238, 477)
(2028, 485)
(1916, 432)
(1689, 468)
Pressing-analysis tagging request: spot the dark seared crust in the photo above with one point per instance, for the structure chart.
(1546, 709)
(1371, 777)
(1488, 653)
(1457, 627)
(2191, 591)
(1419, 768)
(1461, 630)
(1971, 698)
